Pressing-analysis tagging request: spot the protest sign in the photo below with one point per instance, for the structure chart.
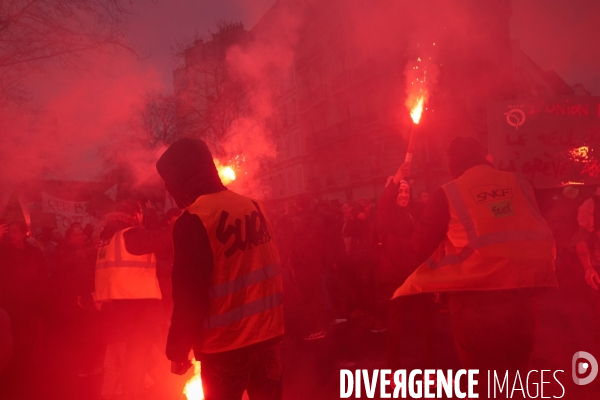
(67, 212)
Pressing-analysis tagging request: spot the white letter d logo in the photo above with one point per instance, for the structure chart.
(582, 367)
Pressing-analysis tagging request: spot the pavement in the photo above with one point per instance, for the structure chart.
(569, 322)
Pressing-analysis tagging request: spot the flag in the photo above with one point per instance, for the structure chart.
(112, 192)
(13, 210)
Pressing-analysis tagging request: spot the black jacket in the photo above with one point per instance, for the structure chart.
(24, 287)
(395, 226)
(189, 173)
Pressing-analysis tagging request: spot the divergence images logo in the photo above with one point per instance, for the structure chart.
(582, 367)
(515, 117)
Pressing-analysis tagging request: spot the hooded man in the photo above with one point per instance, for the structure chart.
(483, 240)
(227, 288)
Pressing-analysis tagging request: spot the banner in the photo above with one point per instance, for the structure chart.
(67, 212)
(553, 142)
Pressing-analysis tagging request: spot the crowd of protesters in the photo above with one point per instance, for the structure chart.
(345, 260)
(48, 302)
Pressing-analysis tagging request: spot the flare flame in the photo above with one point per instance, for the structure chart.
(193, 387)
(417, 110)
(226, 173)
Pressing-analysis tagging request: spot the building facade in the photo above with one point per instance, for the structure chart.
(342, 127)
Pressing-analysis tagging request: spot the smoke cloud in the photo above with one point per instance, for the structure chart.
(78, 127)
(559, 36)
(261, 66)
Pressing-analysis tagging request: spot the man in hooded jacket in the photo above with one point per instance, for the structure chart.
(227, 289)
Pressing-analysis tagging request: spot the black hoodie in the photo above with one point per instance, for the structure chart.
(189, 172)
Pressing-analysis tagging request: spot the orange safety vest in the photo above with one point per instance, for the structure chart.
(246, 291)
(121, 275)
(497, 238)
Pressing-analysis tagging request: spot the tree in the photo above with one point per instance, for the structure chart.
(34, 33)
(208, 98)
(158, 118)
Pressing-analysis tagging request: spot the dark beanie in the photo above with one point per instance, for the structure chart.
(188, 170)
(464, 153)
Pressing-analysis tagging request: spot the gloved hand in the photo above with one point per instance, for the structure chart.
(180, 368)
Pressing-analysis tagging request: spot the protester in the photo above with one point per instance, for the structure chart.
(23, 294)
(418, 206)
(346, 291)
(587, 240)
(77, 317)
(360, 231)
(3, 230)
(492, 253)
(227, 287)
(307, 252)
(88, 231)
(562, 220)
(127, 286)
(54, 239)
(333, 247)
(347, 217)
(395, 227)
(6, 342)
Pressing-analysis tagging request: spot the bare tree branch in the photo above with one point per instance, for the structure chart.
(35, 32)
(208, 98)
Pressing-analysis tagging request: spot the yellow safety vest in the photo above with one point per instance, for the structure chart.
(246, 291)
(497, 238)
(121, 275)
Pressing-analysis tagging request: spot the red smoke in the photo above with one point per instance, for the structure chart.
(261, 65)
(79, 126)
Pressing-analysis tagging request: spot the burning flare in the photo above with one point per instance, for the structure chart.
(193, 387)
(226, 173)
(417, 110)
(580, 153)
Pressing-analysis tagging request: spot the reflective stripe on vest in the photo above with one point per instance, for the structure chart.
(248, 309)
(476, 242)
(244, 281)
(244, 311)
(119, 262)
